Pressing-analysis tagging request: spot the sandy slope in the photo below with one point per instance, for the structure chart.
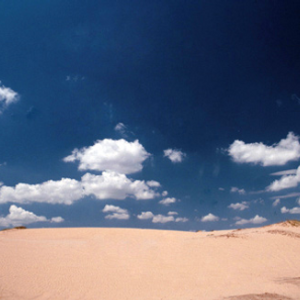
(116, 264)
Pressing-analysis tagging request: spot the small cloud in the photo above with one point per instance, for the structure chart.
(122, 129)
(176, 156)
(295, 210)
(162, 219)
(172, 213)
(110, 155)
(210, 218)
(276, 202)
(183, 220)
(164, 193)
(285, 182)
(221, 189)
(153, 183)
(256, 220)
(239, 206)
(146, 215)
(286, 150)
(57, 220)
(117, 212)
(167, 201)
(18, 216)
(239, 191)
(113, 208)
(7, 97)
(298, 201)
(74, 78)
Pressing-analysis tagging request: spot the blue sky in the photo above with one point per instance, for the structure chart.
(176, 114)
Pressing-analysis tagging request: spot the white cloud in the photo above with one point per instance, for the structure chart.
(111, 185)
(167, 201)
(164, 193)
(286, 172)
(298, 201)
(276, 202)
(7, 97)
(290, 195)
(64, 191)
(172, 213)
(174, 155)
(57, 220)
(122, 129)
(239, 206)
(256, 220)
(257, 153)
(162, 219)
(146, 215)
(117, 212)
(295, 210)
(210, 218)
(239, 191)
(285, 182)
(153, 183)
(18, 216)
(118, 216)
(113, 208)
(183, 220)
(111, 155)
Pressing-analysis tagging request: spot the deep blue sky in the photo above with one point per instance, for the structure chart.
(189, 76)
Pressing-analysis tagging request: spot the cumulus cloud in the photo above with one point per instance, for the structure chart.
(116, 212)
(167, 201)
(64, 191)
(256, 220)
(7, 97)
(285, 182)
(176, 156)
(210, 218)
(112, 185)
(237, 190)
(18, 216)
(276, 202)
(109, 185)
(286, 150)
(239, 206)
(110, 155)
(295, 210)
(146, 215)
(162, 219)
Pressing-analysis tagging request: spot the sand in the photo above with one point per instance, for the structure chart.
(136, 264)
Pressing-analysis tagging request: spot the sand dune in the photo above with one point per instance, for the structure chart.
(135, 264)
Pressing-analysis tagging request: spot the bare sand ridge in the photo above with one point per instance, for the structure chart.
(135, 264)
